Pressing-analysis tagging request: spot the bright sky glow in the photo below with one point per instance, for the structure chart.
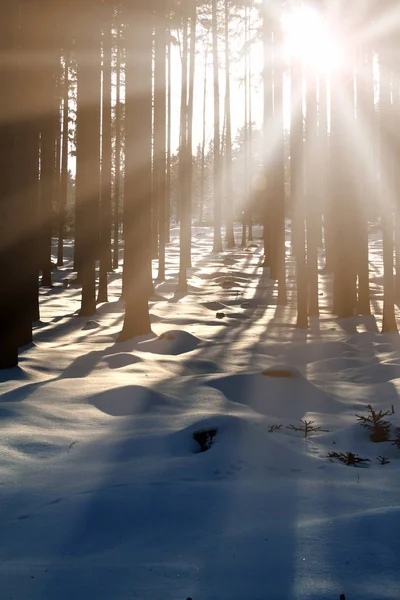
(309, 40)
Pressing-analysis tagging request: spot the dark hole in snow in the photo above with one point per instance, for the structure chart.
(205, 438)
(220, 315)
(280, 373)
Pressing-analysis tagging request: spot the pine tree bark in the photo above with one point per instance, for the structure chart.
(184, 212)
(388, 166)
(298, 212)
(229, 235)
(160, 107)
(62, 207)
(312, 195)
(118, 124)
(87, 222)
(343, 196)
(203, 141)
(106, 188)
(137, 207)
(217, 243)
(267, 121)
(277, 177)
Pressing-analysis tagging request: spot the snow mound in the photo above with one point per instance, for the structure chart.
(239, 444)
(130, 400)
(90, 325)
(121, 359)
(302, 354)
(171, 342)
(270, 393)
(356, 370)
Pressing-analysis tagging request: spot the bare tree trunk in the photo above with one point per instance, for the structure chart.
(388, 166)
(138, 149)
(169, 120)
(88, 154)
(342, 197)
(250, 132)
(298, 211)
(106, 188)
(117, 185)
(312, 196)
(277, 177)
(62, 207)
(230, 235)
(160, 107)
(189, 175)
(366, 122)
(203, 141)
(184, 214)
(217, 245)
(246, 195)
(267, 121)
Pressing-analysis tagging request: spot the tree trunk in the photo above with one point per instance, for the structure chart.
(277, 177)
(184, 212)
(203, 141)
(64, 165)
(117, 184)
(169, 121)
(343, 196)
(217, 245)
(106, 189)
(159, 181)
(312, 196)
(230, 235)
(298, 212)
(88, 155)
(138, 149)
(388, 166)
(267, 121)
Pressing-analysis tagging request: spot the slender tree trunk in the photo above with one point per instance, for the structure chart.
(169, 121)
(62, 207)
(217, 245)
(203, 141)
(184, 213)
(388, 166)
(343, 197)
(246, 179)
(159, 181)
(366, 122)
(230, 235)
(298, 211)
(277, 178)
(312, 195)
(189, 174)
(138, 149)
(250, 132)
(267, 123)
(88, 154)
(118, 124)
(47, 189)
(106, 187)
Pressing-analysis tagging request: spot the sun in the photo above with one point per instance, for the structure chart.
(309, 40)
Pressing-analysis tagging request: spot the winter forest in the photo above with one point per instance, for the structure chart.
(200, 258)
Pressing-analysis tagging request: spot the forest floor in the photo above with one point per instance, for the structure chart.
(104, 493)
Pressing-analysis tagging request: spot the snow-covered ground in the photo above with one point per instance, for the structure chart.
(104, 493)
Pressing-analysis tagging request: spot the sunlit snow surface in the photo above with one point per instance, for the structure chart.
(104, 494)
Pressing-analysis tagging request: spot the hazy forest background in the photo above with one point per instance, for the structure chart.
(292, 118)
